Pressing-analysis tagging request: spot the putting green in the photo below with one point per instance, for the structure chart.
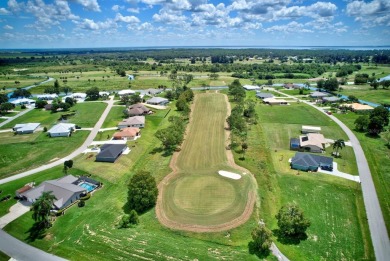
(195, 197)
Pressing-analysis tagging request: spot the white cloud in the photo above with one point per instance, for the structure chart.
(116, 8)
(133, 10)
(169, 17)
(376, 12)
(91, 5)
(4, 11)
(7, 27)
(126, 19)
(89, 24)
(14, 6)
(292, 27)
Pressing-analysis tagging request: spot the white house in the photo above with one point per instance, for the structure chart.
(25, 128)
(24, 101)
(126, 92)
(47, 96)
(62, 130)
(157, 101)
(251, 87)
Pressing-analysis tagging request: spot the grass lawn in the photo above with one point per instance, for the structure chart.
(33, 150)
(377, 155)
(4, 257)
(114, 117)
(87, 114)
(367, 93)
(82, 234)
(335, 207)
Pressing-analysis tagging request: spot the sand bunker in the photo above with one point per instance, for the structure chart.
(228, 174)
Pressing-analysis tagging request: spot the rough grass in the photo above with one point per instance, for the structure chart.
(23, 152)
(377, 154)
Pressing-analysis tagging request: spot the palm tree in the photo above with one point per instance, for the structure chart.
(41, 208)
(338, 144)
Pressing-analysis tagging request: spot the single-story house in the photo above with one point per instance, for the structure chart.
(386, 78)
(310, 129)
(273, 101)
(294, 85)
(294, 144)
(23, 101)
(79, 95)
(153, 92)
(309, 162)
(48, 107)
(126, 92)
(110, 152)
(25, 128)
(251, 87)
(47, 96)
(101, 94)
(23, 189)
(312, 142)
(63, 189)
(319, 94)
(359, 107)
(62, 130)
(264, 95)
(136, 121)
(157, 101)
(331, 99)
(137, 110)
(127, 134)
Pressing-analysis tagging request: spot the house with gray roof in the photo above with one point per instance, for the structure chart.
(63, 189)
(110, 152)
(25, 128)
(264, 95)
(331, 99)
(310, 162)
(319, 94)
(137, 110)
(157, 101)
(153, 92)
(135, 121)
(62, 130)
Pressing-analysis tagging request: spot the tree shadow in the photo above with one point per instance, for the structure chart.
(37, 231)
(372, 136)
(253, 250)
(289, 240)
(156, 150)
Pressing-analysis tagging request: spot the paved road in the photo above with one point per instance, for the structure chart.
(22, 251)
(378, 231)
(16, 116)
(78, 151)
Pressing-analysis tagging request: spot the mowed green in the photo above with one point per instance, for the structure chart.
(198, 195)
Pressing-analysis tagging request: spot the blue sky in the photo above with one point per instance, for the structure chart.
(128, 23)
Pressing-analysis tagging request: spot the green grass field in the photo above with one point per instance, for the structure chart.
(33, 150)
(377, 155)
(198, 190)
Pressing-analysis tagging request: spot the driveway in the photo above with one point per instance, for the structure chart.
(339, 174)
(15, 212)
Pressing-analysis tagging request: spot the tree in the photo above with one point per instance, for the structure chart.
(382, 113)
(244, 147)
(135, 99)
(93, 93)
(237, 91)
(262, 238)
(20, 93)
(3, 98)
(320, 84)
(66, 90)
(362, 122)
(331, 85)
(68, 163)
(70, 101)
(169, 95)
(338, 144)
(375, 126)
(142, 194)
(41, 208)
(56, 84)
(39, 104)
(386, 137)
(182, 105)
(291, 221)
(6, 106)
(353, 98)
(128, 220)
(170, 138)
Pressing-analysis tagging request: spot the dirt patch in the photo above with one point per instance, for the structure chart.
(251, 199)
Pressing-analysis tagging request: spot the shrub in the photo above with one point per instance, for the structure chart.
(81, 203)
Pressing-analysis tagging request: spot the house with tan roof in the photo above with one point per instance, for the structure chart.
(136, 121)
(359, 107)
(137, 110)
(274, 101)
(127, 134)
(312, 142)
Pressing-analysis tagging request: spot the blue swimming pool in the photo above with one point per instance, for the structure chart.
(88, 186)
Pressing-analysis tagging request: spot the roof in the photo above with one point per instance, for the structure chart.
(79, 95)
(23, 127)
(47, 96)
(273, 100)
(307, 159)
(62, 127)
(104, 93)
(251, 87)
(23, 100)
(125, 92)
(264, 95)
(153, 91)
(359, 107)
(61, 189)
(312, 139)
(331, 99)
(294, 141)
(111, 150)
(127, 132)
(319, 94)
(133, 120)
(137, 109)
(157, 100)
(386, 78)
(24, 188)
